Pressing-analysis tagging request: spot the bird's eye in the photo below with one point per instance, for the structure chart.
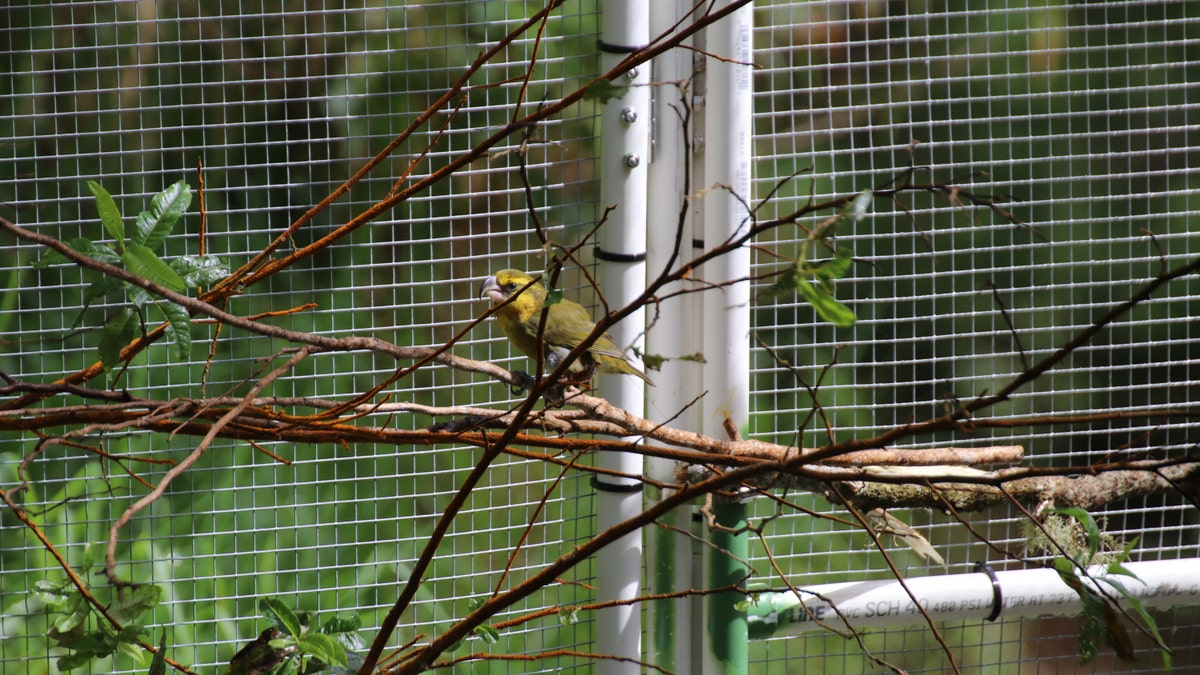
(510, 286)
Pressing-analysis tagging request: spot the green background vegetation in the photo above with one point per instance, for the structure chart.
(1079, 111)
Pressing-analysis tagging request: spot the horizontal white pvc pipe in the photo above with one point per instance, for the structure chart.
(963, 597)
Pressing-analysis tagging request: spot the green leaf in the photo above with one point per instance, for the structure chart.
(95, 643)
(836, 267)
(100, 288)
(87, 558)
(146, 264)
(281, 615)
(110, 215)
(827, 306)
(179, 329)
(553, 296)
(87, 247)
(568, 616)
(133, 603)
(1090, 526)
(653, 361)
(166, 208)
(74, 614)
(158, 665)
(133, 651)
(118, 332)
(1125, 552)
(603, 90)
(854, 211)
(488, 634)
(1066, 570)
(72, 661)
(55, 595)
(323, 647)
(342, 624)
(199, 270)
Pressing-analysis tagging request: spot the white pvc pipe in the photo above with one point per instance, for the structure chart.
(964, 597)
(675, 333)
(726, 333)
(624, 133)
(727, 136)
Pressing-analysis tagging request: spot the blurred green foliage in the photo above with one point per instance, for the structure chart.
(283, 101)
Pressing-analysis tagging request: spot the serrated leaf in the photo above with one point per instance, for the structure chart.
(199, 270)
(153, 226)
(146, 264)
(117, 333)
(179, 329)
(133, 603)
(827, 306)
(110, 215)
(280, 615)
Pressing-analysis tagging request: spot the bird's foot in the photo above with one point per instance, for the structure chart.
(525, 381)
(582, 378)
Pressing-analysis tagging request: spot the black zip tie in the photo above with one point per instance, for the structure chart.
(610, 48)
(609, 256)
(617, 487)
(997, 596)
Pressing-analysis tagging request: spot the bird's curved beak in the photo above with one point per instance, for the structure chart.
(491, 289)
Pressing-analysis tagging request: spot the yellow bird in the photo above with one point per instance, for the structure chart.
(567, 324)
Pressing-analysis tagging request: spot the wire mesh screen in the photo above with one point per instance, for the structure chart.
(1079, 118)
(281, 102)
(1076, 120)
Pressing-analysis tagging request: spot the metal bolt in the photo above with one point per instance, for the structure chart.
(628, 115)
(632, 161)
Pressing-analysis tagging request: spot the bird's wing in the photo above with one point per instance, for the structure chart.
(569, 323)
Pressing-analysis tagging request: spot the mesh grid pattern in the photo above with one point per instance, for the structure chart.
(1085, 114)
(281, 104)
